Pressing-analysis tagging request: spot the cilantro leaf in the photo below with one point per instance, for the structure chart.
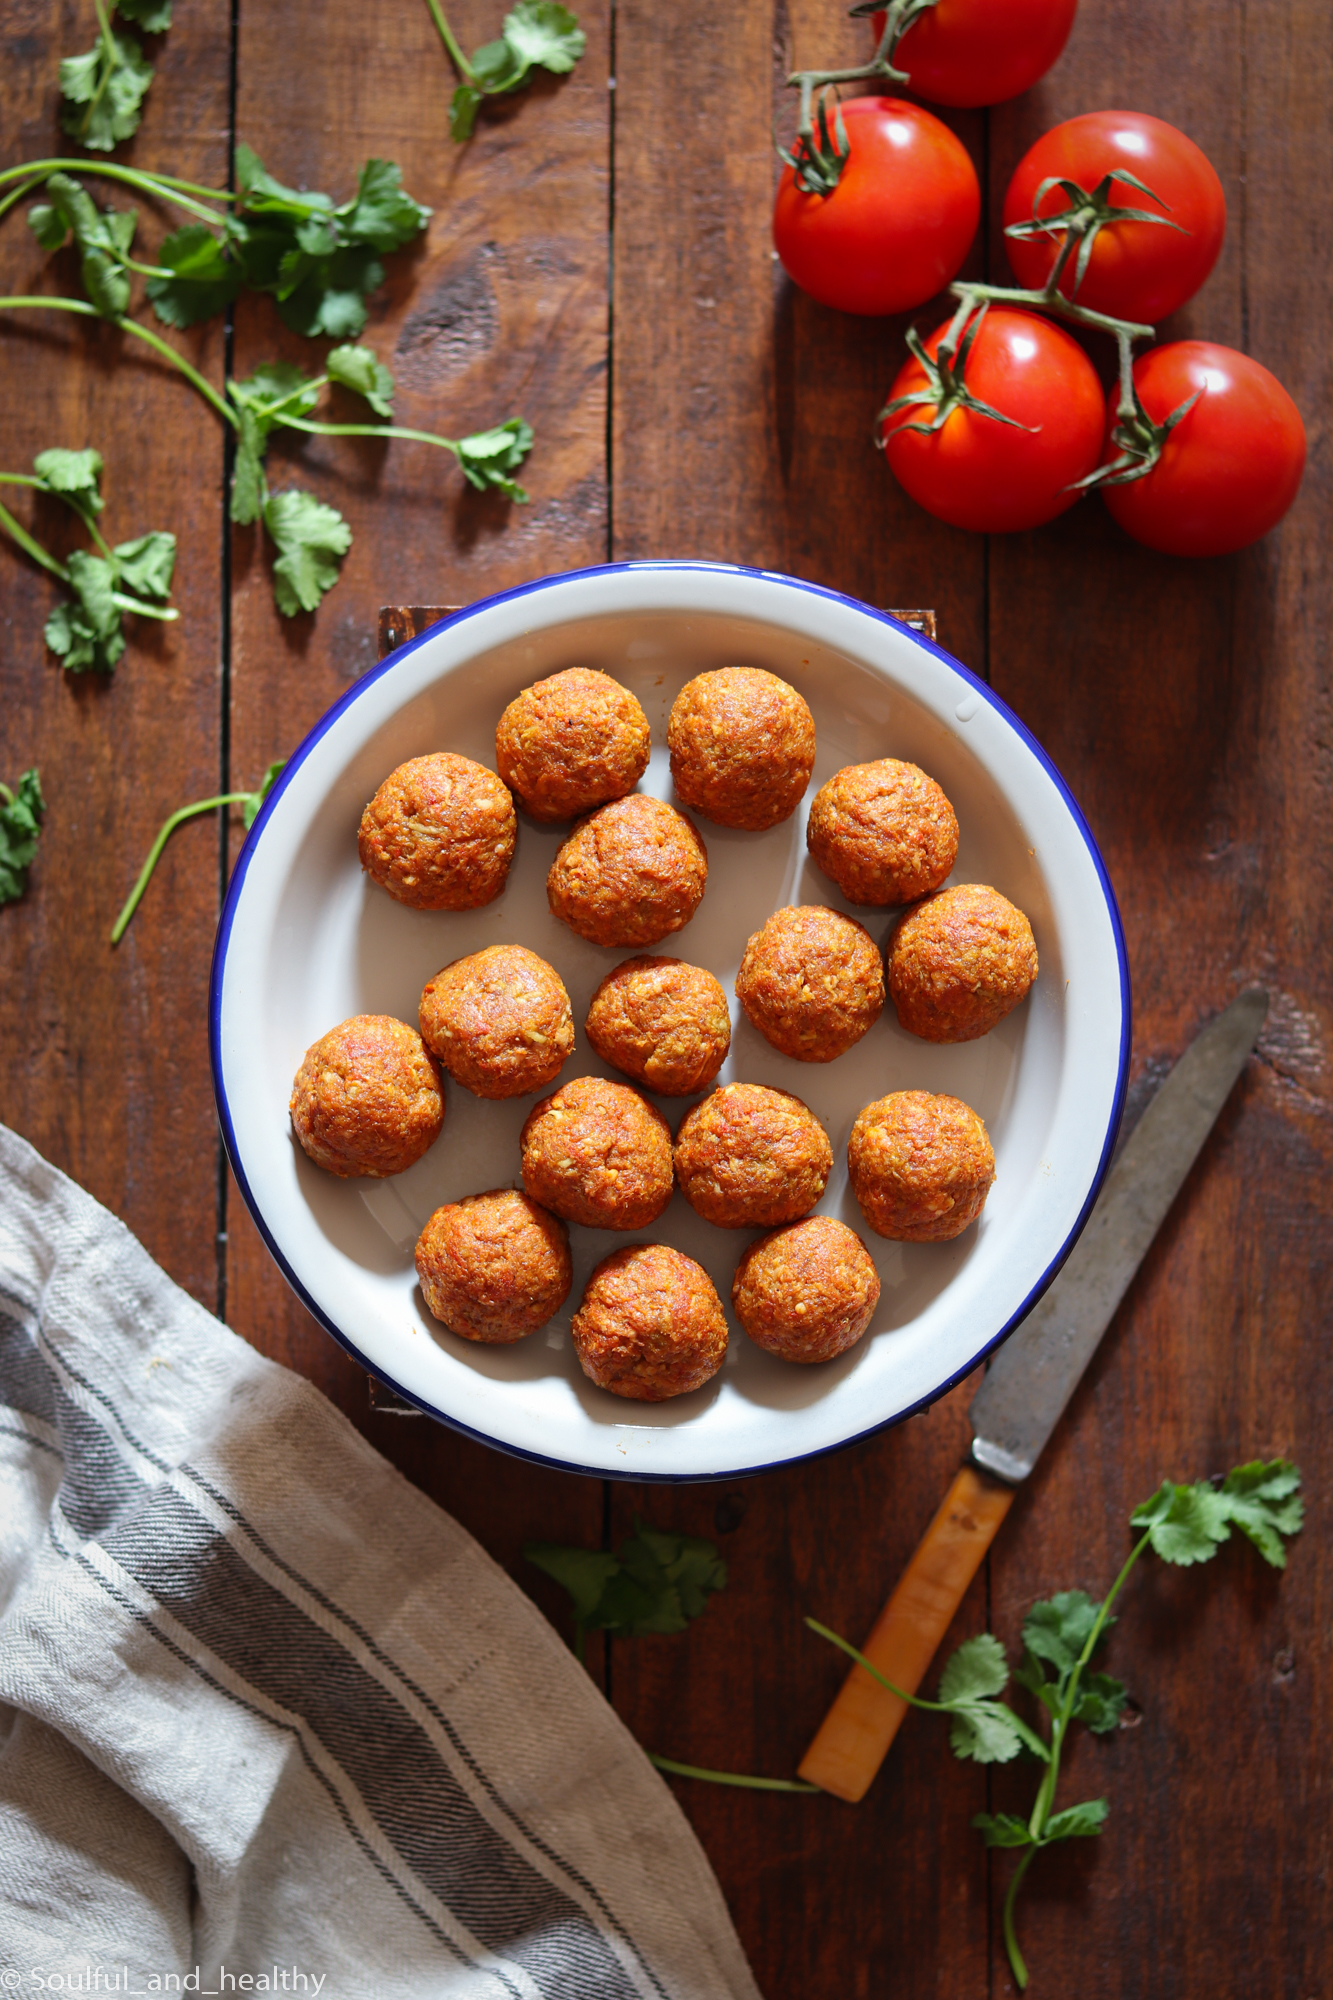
(153, 16)
(1186, 1524)
(254, 800)
(1101, 1702)
(259, 401)
(656, 1583)
(19, 833)
(146, 565)
(488, 457)
(205, 279)
(1002, 1829)
(584, 1573)
(544, 35)
(101, 236)
(48, 224)
(498, 68)
(105, 90)
(987, 1732)
(361, 369)
(1057, 1629)
(320, 261)
(1076, 1822)
(463, 108)
(677, 1573)
(978, 1668)
(1263, 1502)
(73, 475)
(247, 476)
(311, 539)
(382, 214)
(86, 635)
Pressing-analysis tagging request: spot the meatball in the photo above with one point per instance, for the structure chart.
(439, 834)
(921, 1166)
(367, 1098)
(572, 742)
(742, 747)
(750, 1158)
(811, 982)
(663, 1022)
(629, 874)
(650, 1325)
(499, 1021)
(494, 1267)
(884, 832)
(599, 1154)
(806, 1292)
(959, 963)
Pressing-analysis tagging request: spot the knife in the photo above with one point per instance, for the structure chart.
(1024, 1394)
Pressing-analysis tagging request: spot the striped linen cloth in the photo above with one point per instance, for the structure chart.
(269, 1720)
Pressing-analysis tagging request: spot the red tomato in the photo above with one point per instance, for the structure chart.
(1229, 470)
(1138, 270)
(897, 226)
(988, 476)
(969, 52)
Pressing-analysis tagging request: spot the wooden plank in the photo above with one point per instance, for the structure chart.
(741, 431)
(1180, 701)
(501, 309)
(105, 1057)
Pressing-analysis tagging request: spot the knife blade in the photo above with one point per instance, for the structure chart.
(1037, 1370)
(1026, 1389)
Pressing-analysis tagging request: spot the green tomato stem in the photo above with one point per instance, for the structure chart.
(151, 339)
(1049, 301)
(155, 852)
(456, 56)
(729, 1777)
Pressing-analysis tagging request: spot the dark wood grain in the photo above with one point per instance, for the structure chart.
(105, 1062)
(501, 309)
(707, 409)
(1185, 703)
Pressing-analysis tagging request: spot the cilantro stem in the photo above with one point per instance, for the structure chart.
(112, 58)
(153, 340)
(164, 186)
(730, 1777)
(1017, 1963)
(169, 826)
(456, 56)
(24, 539)
(369, 431)
(915, 1700)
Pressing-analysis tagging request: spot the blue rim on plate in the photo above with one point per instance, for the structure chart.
(356, 693)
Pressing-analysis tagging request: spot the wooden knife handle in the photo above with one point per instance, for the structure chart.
(857, 1731)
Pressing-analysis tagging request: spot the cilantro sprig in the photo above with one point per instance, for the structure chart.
(20, 830)
(311, 537)
(249, 802)
(86, 632)
(319, 259)
(657, 1582)
(104, 88)
(537, 34)
(1062, 1635)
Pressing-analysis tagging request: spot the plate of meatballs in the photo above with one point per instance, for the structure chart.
(669, 1020)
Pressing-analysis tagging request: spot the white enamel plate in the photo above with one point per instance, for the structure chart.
(306, 940)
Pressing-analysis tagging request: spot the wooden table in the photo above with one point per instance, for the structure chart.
(601, 262)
